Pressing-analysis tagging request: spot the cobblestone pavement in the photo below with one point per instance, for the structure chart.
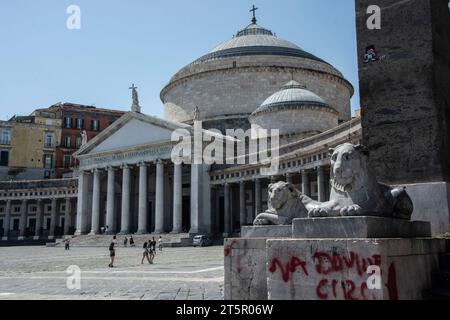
(177, 273)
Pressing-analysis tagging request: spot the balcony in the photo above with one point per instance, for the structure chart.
(5, 142)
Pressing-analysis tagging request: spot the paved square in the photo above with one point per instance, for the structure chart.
(177, 273)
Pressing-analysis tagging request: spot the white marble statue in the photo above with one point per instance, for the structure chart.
(84, 137)
(285, 203)
(354, 192)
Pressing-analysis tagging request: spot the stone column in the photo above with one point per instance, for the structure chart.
(39, 219)
(68, 216)
(125, 221)
(95, 224)
(289, 178)
(305, 183)
(110, 201)
(23, 219)
(177, 199)
(159, 201)
(7, 220)
(54, 217)
(321, 184)
(227, 211)
(242, 208)
(82, 203)
(258, 200)
(143, 192)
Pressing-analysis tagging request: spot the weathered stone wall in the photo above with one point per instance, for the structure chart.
(404, 96)
(219, 89)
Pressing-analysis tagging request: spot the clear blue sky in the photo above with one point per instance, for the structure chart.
(146, 42)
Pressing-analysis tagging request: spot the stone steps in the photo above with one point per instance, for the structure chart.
(169, 240)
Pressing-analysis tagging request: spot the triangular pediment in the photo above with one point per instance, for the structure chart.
(131, 130)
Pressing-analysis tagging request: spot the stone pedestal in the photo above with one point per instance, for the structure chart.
(359, 227)
(266, 232)
(300, 269)
(328, 259)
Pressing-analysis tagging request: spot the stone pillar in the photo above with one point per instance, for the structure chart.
(82, 203)
(242, 207)
(23, 219)
(159, 201)
(54, 217)
(177, 199)
(125, 221)
(110, 201)
(227, 211)
(305, 183)
(39, 219)
(321, 184)
(95, 224)
(7, 220)
(258, 199)
(143, 192)
(68, 217)
(289, 178)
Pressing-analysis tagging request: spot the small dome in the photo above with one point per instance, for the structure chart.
(294, 110)
(291, 95)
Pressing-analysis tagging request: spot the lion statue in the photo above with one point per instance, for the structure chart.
(355, 190)
(285, 203)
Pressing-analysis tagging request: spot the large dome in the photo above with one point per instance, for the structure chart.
(230, 82)
(256, 40)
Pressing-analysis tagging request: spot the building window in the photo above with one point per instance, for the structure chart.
(48, 223)
(16, 209)
(95, 125)
(6, 137)
(48, 161)
(68, 122)
(78, 142)
(33, 209)
(4, 158)
(80, 124)
(67, 142)
(67, 158)
(49, 140)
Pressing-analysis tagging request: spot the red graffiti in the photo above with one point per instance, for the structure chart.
(392, 282)
(290, 267)
(320, 294)
(347, 288)
(228, 248)
(327, 263)
(227, 253)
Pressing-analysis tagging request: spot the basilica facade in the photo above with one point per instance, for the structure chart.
(127, 181)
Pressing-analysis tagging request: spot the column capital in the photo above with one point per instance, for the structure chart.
(24, 200)
(96, 170)
(111, 168)
(125, 166)
(319, 168)
(159, 161)
(242, 182)
(142, 164)
(39, 200)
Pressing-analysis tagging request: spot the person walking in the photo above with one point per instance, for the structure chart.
(125, 241)
(154, 244)
(146, 253)
(160, 243)
(67, 244)
(131, 241)
(112, 252)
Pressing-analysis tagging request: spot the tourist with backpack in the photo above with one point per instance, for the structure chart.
(112, 252)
